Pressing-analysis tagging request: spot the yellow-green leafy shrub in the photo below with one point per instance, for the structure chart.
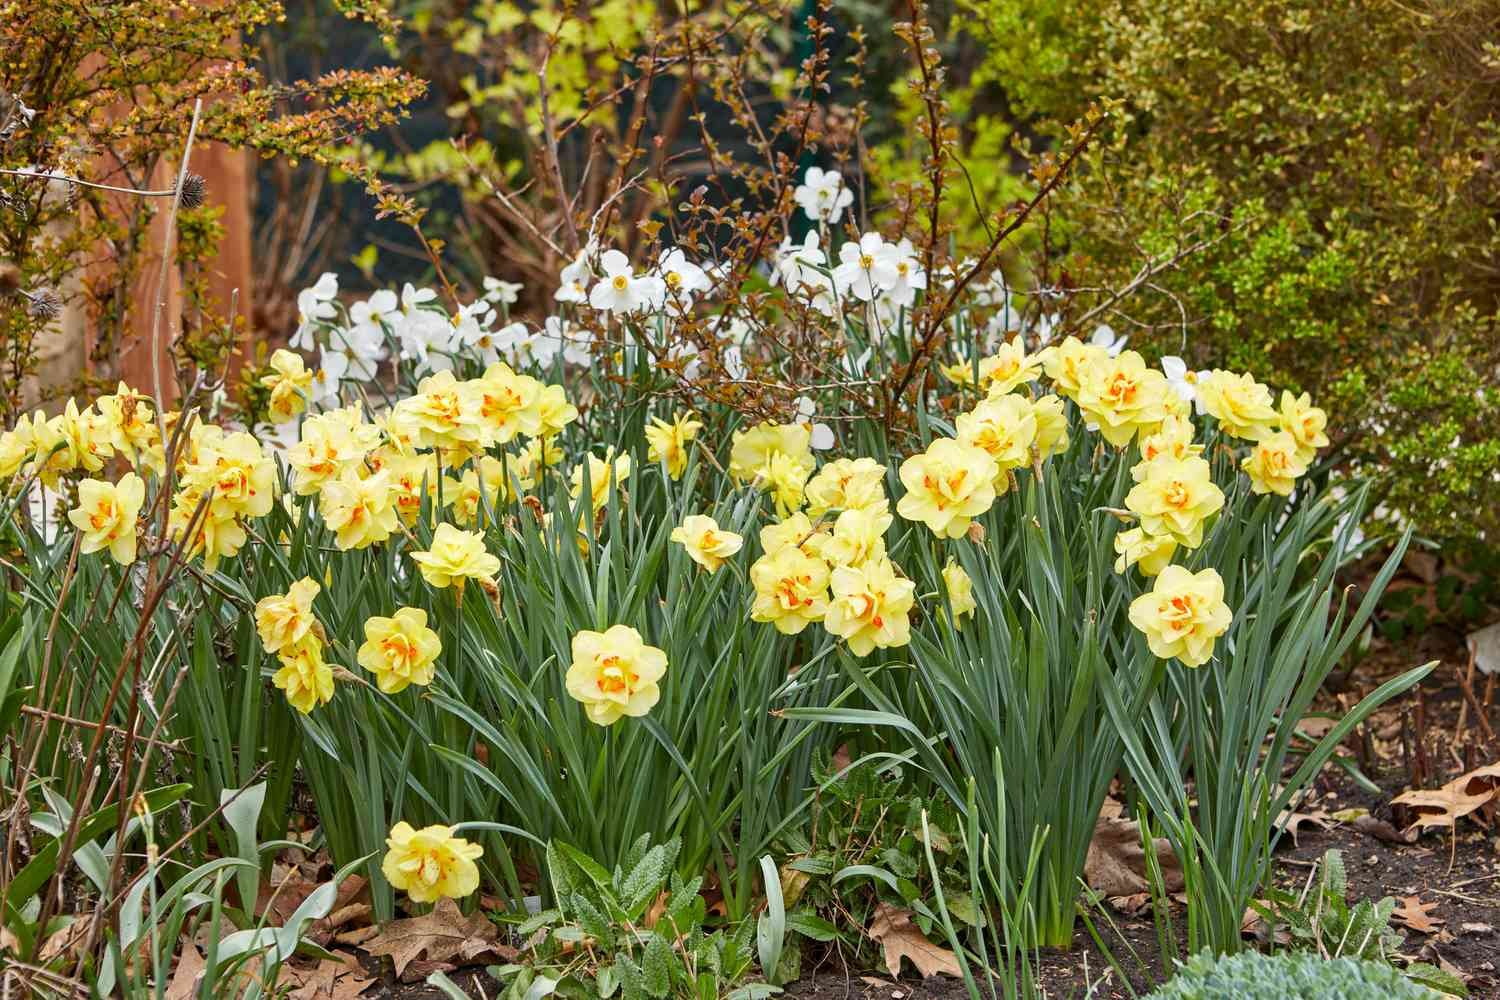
(1340, 158)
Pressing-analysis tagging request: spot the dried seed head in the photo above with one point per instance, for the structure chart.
(194, 191)
(10, 279)
(44, 304)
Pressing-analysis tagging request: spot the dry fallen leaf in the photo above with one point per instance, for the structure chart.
(1133, 905)
(190, 966)
(793, 884)
(1417, 915)
(351, 909)
(1116, 861)
(339, 978)
(893, 930)
(1382, 830)
(1293, 822)
(444, 935)
(1445, 806)
(278, 900)
(1315, 727)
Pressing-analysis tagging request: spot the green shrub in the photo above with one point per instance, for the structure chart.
(1288, 976)
(1340, 159)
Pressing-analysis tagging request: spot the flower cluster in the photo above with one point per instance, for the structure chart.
(290, 632)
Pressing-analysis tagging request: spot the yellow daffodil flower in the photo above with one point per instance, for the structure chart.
(1174, 497)
(946, 486)
(455, 556)
(858, 536)
(1241, 405)
(1306, 423)
(1051, 426)
(359, 510)
(846, 484)
(960, 591)
(1123, 397)
(706, 543)
(668, 442)
(283, 620)
(870, 606)
(1275, 464)
(614, 673)
(1174, 438)
(289, 382)
(602, 471)
(1183, 614)
(431, 863)
(106, 516)
(304, 678)
(1151, 553)
(791, 589)
(1004, 427)
(509, 404)
(400, 650)
(1009, 368)
(751, 450)
(1067, 363)
(555, 411)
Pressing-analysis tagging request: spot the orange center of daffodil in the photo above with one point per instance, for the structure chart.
(615, 677)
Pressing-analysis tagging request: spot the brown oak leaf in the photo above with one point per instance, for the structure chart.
(1116, 861)
(1445, 806)
(899, 938)
(339, 978)
(1417, 915)
(444, 935)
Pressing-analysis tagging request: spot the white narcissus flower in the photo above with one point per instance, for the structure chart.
(502, 293)
(910, 277)
(822, 434)
(315, 305)
(1046, 328)
(574, 344)
(681, 279)
(621, 291)
(823, 195)
(333, 365)
(413, 297)
(516, 343)
(738, 331)
(574, 280)
(689, 356)
(866, 268)
(1109, 340)
(363, 347)
(471, 331)
(378, 308)
(1182, 381)
(803, 270)
(426, 339)
(887, 313)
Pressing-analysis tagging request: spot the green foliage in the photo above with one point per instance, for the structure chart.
(1320, 919)
(159, 903)
(1227, 733)
(640, 926)
(865, 843)
(1337, 158)
(1288, 976)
